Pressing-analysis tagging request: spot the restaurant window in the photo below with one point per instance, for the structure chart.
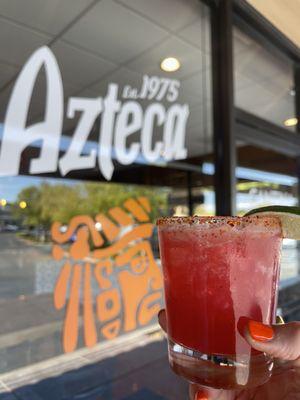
(263, 81)
(267, 171)
(264, 178)
(98, 139)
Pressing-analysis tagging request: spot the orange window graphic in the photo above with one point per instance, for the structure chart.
(118, 260)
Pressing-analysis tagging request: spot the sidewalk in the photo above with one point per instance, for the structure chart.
(134, 367)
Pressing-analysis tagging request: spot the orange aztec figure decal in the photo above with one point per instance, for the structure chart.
(118, 260)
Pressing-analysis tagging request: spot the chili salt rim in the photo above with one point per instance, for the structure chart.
(266, 221)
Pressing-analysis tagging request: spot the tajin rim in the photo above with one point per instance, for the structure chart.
(267, 221)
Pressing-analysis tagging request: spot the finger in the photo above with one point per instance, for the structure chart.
(279, 341)
(162, 319)
(197, 392)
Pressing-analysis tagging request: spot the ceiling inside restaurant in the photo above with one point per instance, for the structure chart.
(263, 81)
(104, 41)
(257, 158)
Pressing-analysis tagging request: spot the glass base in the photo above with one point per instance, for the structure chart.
(220, 371)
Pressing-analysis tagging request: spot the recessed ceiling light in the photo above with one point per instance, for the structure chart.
(291, 121)
(292, 92)
(170, 64)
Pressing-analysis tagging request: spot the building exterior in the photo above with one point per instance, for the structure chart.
(114, 112)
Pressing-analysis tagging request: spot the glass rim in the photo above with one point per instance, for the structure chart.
(263, 221)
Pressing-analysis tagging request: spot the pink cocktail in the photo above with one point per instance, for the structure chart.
(218, 273)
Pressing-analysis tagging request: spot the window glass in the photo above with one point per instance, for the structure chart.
(264, 178)
(97, 141)
(263, 82)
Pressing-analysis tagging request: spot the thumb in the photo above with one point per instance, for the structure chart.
(279, 341)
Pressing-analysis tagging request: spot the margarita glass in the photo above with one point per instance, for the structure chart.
(219, 272)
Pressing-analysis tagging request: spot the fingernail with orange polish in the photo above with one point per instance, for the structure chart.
(200, 396)
(260, 332)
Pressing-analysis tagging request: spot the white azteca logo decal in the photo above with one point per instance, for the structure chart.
(119, 120)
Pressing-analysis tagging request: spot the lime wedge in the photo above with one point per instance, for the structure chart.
(289, 218)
